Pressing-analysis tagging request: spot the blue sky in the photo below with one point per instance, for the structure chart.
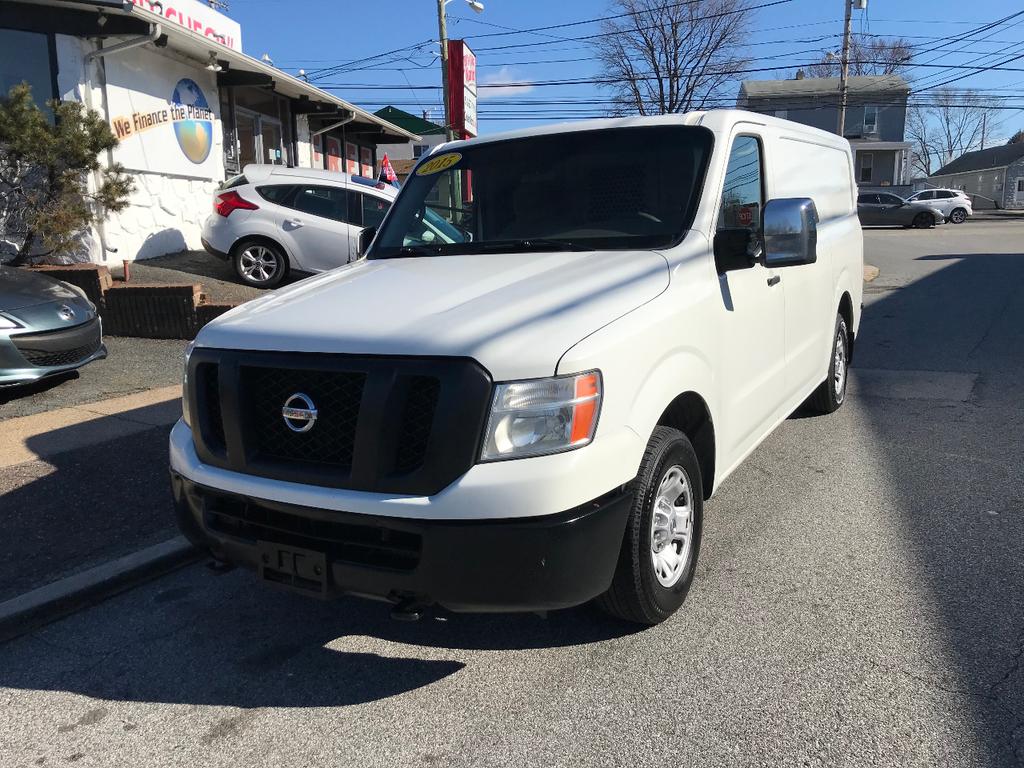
(325, 33)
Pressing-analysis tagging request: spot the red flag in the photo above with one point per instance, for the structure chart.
(387, 173)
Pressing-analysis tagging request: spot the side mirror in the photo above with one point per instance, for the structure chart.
(736, 248)
(790, 232)
(365, 238)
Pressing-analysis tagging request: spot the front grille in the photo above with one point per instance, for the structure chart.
(214, 421)
(39, 348)
(383, 424)
(417, 422)
(336, 395)
(377, 546)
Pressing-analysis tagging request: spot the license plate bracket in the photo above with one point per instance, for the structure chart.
(303, 570)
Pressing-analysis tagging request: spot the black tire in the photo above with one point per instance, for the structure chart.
(831, 393)
(269, 258)
(923, 221)
(636, 594)
(958, 215)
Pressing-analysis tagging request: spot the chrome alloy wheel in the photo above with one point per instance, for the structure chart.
(839, 365)
(672, 526)
(258, 263)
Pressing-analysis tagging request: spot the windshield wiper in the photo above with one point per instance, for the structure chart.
(529, 244)
(414, 250)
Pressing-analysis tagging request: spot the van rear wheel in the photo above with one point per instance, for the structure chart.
(831, 393)
(659, 551)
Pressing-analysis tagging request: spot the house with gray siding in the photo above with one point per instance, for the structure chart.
(876, 117)
(996, 173)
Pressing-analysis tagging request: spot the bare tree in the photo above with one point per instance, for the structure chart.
(664, 56)
(868, 56)
(964, 121)
(946, 124)
(1017, 138)
(921, 134)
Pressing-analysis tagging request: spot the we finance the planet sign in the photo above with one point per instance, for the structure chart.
(187, 112)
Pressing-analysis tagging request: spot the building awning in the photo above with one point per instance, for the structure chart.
(239, 68)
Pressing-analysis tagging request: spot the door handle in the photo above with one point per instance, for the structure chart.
(293, 222)
(774, 280)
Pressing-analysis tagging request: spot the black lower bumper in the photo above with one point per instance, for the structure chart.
(518, 564)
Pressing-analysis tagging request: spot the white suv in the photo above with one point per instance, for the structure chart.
(954, 203)
(272, 219)
(527, 407)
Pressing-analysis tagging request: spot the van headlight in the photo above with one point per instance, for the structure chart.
(542, 416)
(186, 416)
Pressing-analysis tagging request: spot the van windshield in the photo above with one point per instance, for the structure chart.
(616, 188)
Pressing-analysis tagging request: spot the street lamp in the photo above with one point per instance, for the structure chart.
(442, 28)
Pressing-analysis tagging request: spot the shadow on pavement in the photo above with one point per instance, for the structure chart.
(209, 638)
(958, 468)
(101, 492)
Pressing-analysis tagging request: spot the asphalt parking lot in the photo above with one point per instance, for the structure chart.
(857, 603)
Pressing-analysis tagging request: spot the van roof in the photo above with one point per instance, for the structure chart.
(718, 120)
(261, 173)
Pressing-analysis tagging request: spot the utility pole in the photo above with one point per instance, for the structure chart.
(442, 28)
(844, 68)
(984, 116)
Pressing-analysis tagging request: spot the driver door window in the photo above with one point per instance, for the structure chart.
(743, 191)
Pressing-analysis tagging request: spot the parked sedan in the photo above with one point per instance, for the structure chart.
(46, 327)
(886, 209)
(954, 203)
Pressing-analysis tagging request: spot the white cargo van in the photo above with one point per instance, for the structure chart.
(558, 345)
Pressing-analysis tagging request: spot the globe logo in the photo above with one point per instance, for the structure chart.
(193, 120)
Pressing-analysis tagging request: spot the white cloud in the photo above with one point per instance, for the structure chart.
(504, 75)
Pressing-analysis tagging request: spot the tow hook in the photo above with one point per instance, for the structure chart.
(407, 609)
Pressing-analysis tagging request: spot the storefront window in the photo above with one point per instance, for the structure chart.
(245, 127)
(25, 57)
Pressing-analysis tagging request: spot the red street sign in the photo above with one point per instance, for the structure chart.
(745, 217)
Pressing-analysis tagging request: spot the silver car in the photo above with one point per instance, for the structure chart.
(887, 209)
(271, 220)
(46, 327)
(954, 203)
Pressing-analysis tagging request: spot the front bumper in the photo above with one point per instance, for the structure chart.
(50, 353)
(504, 565)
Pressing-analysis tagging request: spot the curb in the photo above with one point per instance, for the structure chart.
(61, 598)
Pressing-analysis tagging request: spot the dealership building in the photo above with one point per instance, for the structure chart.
(188, 107)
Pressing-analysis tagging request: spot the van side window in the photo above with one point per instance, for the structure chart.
(743, 192)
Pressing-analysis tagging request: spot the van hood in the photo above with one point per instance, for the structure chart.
(516, 314)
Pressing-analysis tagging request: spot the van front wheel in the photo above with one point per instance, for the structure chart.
(831, 393)
(659, 550)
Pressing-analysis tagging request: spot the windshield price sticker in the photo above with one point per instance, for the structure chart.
(438, 164)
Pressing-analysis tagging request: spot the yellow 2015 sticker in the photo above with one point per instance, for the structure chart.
(438, 164)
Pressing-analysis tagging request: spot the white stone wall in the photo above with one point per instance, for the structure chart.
(165, 213)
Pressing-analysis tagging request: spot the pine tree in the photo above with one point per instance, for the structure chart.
(45, 162)
(1017, 138)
